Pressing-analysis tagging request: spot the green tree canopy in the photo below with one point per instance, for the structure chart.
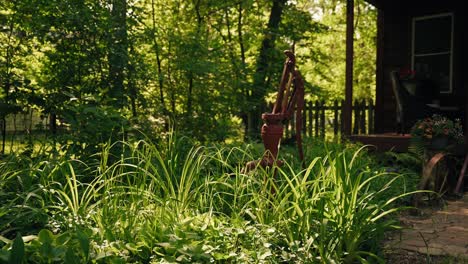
(205, 67)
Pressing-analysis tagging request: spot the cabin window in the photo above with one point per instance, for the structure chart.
(433, 49)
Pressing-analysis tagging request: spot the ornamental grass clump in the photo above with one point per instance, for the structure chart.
(172, 204)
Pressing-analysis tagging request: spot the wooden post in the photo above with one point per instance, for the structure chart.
(304, 119)
(465, 54)
(370, 114)
(342, 118)
(363, 117)
(317, 107)
(378, 125)
(356, 117)
(335, 119)
(466, 120)
(309, 118)
(3, 132)
(349, 68)
(322, 119)
(292, 122)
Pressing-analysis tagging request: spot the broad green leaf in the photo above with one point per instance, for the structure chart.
(70, 257)
(45, 236)
(84, 242)
(17, 250)
(4, 255)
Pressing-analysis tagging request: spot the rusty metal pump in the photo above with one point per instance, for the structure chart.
(289, 100)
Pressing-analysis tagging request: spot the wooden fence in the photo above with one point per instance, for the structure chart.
(321, 119)
(27, 121)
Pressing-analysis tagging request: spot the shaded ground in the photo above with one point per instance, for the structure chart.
(436, 235)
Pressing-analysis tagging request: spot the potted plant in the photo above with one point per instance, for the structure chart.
(437, 133)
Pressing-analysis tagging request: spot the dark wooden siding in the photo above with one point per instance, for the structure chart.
(464, 73)
(396, 54)
(394, 50)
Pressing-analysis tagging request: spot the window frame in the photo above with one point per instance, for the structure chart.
(450, 52)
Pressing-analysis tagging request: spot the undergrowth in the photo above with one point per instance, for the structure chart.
(174, 202)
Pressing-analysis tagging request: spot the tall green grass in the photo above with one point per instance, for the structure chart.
(178, 203)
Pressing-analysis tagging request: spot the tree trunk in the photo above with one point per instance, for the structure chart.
(53, 123)
(347, 118)
(245, 92)
(133, 93)
(240, 10)
(262, 68)
(190, 73)
(158, 59)
(189, 95)
(3, 129)
(118, 54)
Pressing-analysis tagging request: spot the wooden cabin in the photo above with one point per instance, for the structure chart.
(428, 37)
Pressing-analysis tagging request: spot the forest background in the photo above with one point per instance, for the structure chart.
(203, 67)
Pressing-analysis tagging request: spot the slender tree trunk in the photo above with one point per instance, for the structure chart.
(228, 25)
(240, 10)
(53, 123)
(131, 86)
(171, 83)
(158, 59)
(118, 54)
(133, 97)
(189, 95)
(13, 136)
(3, 128)
(357, 15)
(347, 108)
(246, 116)
(190, 73)
(263, 65)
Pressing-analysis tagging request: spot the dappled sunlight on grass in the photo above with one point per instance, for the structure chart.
(180, 203)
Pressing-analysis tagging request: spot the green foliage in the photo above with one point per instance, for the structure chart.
(7, 109)
(407, 164)
(425, 131)
(90, 127)
(68, 247)
(107, 71)
(180, 203)
(324, 65)
(438, 126)
(20, 189)
(190, 65)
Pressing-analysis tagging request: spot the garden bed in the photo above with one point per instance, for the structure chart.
(176, 202)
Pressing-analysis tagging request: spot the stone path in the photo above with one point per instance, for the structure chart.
(441, 232)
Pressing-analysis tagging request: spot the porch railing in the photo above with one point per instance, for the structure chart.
(321, 119)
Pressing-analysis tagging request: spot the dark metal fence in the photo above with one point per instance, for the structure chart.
(321, 119)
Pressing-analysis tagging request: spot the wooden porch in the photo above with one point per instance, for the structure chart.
(385, 142)
(402, 35)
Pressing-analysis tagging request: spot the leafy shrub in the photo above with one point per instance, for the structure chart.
(90, 127)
